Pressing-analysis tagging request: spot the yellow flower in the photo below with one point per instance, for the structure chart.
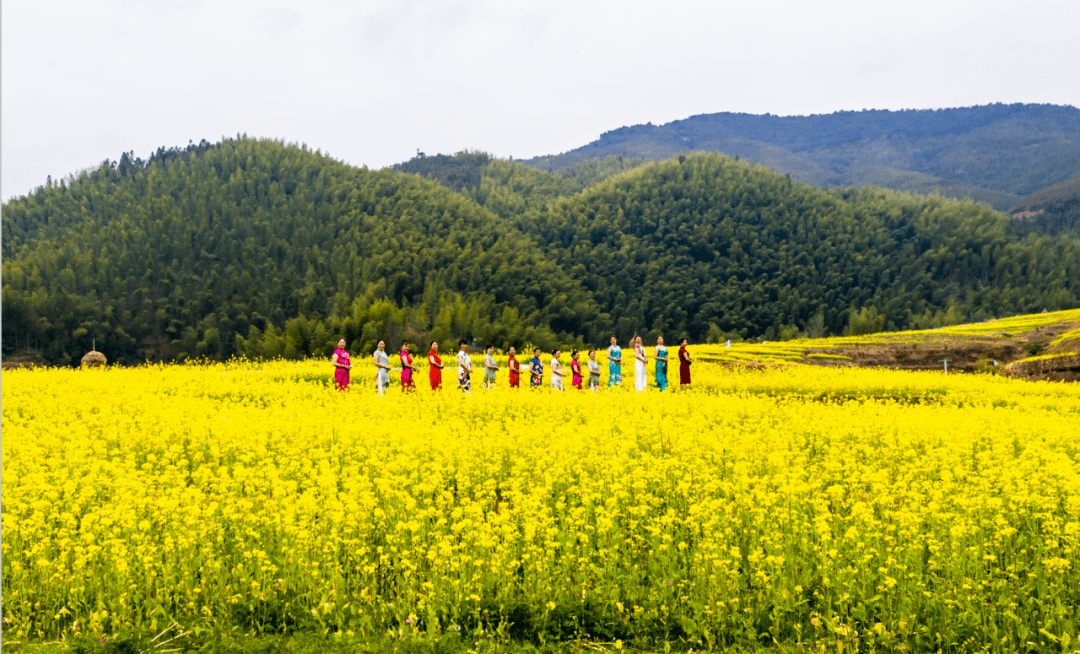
(176, 490)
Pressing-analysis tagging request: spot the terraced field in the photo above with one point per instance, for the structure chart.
(1041, 346)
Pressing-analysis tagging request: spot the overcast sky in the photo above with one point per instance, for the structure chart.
(371, 82)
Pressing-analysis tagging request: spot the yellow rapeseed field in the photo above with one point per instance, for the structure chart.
(817, 506)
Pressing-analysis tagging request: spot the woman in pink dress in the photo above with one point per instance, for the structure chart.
(407, 368)
(575, 368)
(342, 365)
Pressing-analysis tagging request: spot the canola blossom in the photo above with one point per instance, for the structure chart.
(819, 507)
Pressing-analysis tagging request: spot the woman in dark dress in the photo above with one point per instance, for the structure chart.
(684, 366)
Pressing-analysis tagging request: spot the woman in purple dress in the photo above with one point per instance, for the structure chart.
(342, 365)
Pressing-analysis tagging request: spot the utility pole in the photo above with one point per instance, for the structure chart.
(946, 362)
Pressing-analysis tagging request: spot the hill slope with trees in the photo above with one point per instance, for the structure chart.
(994, 153)
(260, 248)
(195, 256)
(704, 245)
(1054, 209)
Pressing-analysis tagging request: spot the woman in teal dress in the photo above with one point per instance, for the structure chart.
(661, 364)
(614, 355)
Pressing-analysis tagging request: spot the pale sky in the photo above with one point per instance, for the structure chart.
(371, 82)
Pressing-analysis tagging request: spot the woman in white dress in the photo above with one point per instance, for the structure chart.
(556, 371)
(640, 366)
(382, 367)
(464, 363)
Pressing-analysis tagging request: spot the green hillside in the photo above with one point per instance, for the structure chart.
(702, 244)
(194, 256)
(994, 153)
(923, 184)
(260, 248)
(1054, 209)
(478, 174)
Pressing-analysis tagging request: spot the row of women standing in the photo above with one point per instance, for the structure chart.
(535, 371)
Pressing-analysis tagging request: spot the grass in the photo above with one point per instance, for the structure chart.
(306, 643)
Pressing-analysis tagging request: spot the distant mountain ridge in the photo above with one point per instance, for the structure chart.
(995, 153)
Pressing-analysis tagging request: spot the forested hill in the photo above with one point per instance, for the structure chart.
(704, 245)
(995, 153)
(1054, 210)
(260, 248)
(199, 255)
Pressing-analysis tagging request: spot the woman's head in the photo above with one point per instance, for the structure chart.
(341, 343)
(512, 351)
(613, 340)
(382, 345)
(574, 354)
(659, 340)
(555, 353)
(683, 342)
(536, 352)
(404, 346)
(434, 345)
(592, 354)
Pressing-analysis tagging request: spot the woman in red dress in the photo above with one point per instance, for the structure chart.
(684, 366)
(435, 367)
(515, 370)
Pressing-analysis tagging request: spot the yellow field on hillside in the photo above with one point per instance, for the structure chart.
(801, 506)
(794, 351)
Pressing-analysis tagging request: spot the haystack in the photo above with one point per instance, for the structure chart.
(93, 359)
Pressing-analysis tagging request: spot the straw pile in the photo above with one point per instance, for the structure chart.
(93, 359)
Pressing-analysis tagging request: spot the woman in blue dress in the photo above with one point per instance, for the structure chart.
(536, 368)
(614, 355)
